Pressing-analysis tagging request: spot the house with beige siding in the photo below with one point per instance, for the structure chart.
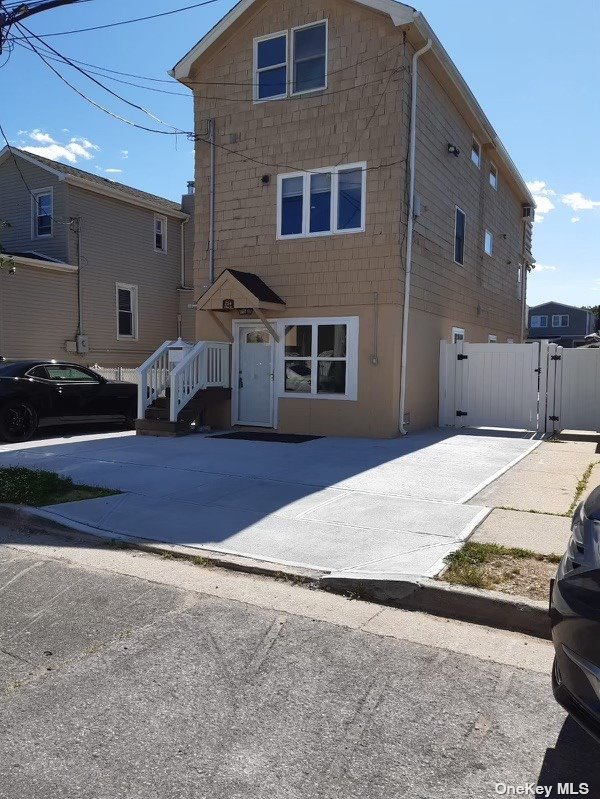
(93, 271)
(354, 207)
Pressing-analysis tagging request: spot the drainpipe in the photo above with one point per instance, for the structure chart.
(211, 223)
(182, 269)
(77, 229)
(409, 231)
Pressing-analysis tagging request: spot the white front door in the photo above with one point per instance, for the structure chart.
(255, 380)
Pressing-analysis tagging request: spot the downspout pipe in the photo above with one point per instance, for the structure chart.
(211, 213)
(409, 230)
(182, 245)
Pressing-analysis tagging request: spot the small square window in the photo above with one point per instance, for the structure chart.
(493, 176)
(476, 152)
(488, 244)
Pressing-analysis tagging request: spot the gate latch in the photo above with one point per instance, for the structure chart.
(538, 370)
(461, 413)
(461, 357)
(555, 357)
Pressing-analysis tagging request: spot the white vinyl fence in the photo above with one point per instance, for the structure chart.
(125, 373)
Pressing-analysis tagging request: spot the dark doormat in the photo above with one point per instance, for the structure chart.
(278, 438)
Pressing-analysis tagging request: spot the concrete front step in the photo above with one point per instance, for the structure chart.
(163, 427)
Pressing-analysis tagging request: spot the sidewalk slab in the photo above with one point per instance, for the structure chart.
(539, 532)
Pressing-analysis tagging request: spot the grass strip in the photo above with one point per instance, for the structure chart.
(19, 486)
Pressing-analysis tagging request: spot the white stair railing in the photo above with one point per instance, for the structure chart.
(206, 365)
(153, 377)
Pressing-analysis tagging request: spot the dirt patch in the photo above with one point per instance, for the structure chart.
(513, 571)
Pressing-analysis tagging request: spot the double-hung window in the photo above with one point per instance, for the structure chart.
(539, 321)
(320, 358)
(322, 202)
(475, 152)
(305, 59)
(560, 320)
(493, 176)
(42, 213)
(460, 220)
(160, 233)
(270, 67)
(127, 311)
(309, 58)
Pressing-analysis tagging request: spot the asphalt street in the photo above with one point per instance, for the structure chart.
(124, 675)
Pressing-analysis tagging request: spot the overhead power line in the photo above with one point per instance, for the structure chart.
(13, 14)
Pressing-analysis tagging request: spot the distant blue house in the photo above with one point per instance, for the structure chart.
(562, 324)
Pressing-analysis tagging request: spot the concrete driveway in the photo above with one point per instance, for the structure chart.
(372, 507)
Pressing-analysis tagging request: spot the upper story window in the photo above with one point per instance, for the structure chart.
(322, 202)
(41, 223)
(460, 223)
(538, 321)
(488, 242)
(309, 57)
(560, 320)
(305, 60)
(270, 67)
(520, 281)
(160, 233)
(476, 152)
(127, 311)
(493, 176)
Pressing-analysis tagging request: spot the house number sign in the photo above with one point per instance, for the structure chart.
(228, 305)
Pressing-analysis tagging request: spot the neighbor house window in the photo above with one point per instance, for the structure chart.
(305, 59)
(475, 152)
(458, 334)
(309, 57)
(320, 358)
(42, 211)
(127, 311)
(322, 202)
(539, 321)
(493, 176)
(160, 233)
(492, 339)
(488, 242)
(520, 281)
(460, 221)
(270, 66)
(560, 320)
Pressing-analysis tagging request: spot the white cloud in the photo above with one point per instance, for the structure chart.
(75, 149)
(575, 219)
(124, 153)
(541, 195)
(545, 268)
(578, 202)
(113, 171)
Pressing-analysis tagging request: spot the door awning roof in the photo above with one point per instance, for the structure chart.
(234, 289)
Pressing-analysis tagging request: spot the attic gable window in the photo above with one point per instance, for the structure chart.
(270, 67)
(42, 213)
(160, 233)
(476, 152)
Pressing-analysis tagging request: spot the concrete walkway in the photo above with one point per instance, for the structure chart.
(373, 507)
(532, 501)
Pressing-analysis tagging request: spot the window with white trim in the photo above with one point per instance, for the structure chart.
(520, 281)
(476, 152)
(488, 242)
(321, 202)
(458, 334)
(127, 311)
(492, 339)
(270, 66)
(493, 176)
(539, 321)
(42, 210)
(460, 222)
(160, 233)
(320, 358)
(309, 58)
(560, 320)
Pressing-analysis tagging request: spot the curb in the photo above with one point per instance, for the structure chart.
(489, 608)
(474, 605)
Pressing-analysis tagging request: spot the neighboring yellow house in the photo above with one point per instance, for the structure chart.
(354, 206)
(95, 271)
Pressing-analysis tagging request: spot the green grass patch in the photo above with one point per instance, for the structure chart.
(20, 486)
(580, 488)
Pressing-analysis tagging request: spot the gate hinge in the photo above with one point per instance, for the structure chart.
(461, 413)
(461, 357)
(555, 357)
(553, 418)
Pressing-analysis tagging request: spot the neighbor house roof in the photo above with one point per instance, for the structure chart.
(561, 304)
(96, 183)
(405, 17)
(36, 259)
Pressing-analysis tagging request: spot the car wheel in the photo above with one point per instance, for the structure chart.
(18, 421)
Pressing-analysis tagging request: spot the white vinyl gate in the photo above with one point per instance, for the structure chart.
(537, 386)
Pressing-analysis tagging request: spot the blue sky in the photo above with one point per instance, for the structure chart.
(534, 67)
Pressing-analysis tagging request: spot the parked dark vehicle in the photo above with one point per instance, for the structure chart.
(37, 394)
(575, 618)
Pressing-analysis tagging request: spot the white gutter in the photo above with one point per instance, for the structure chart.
(52, 266)
(409, 231)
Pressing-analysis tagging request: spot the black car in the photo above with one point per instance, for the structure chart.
(43, 393)
(575, 618)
